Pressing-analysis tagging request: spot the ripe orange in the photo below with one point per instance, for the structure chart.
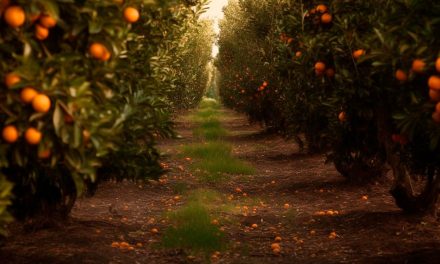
(33, 136)
(15, 16)
(86, 136)
(131, 14)
(437, 64)
(434, 82)
(41, 103)
(326, 18)
(298, 54)
(44, 154)
(107, 55)
(321, 8)
(11, 79)
(358, 53)
(275, 245)
(265, 84)
(254, 225)
(320, 66)
(342, 116)
(330, 72)
(418, 65)
(437, 107)
(434, 95)
(97, 50)
(10, 134)
(436, 117)
(48, 21)
(28, 94)
(41, 32)
(401, 75)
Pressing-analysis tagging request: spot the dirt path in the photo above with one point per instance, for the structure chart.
(284, 197)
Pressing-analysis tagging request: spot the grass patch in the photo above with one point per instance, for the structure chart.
(193, 230)
(209, 103)
(215, 161)
(207, 151)
(229, 165)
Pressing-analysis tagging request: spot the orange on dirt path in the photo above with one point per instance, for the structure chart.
(33, 136)
(10, 134)
(15, 16)
(418, 66)
(28, 94)
(41, 103)
(12, 79)
(131, 14)
(326, 18)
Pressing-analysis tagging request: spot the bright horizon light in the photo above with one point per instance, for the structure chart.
(215, 12)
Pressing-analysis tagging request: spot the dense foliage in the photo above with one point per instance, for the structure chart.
(88, 87)
(360, 83)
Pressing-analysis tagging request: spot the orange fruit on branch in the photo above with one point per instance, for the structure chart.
(434, 82)
(97, 51)
(330, 72)
(434, 95)
(358, 53)
(320, 66)
(401, 75)
(12, 79)
(418, 66)
(41, 103)
(436, 117)
(41, 33)
(44, 154)
(321, 8)
(342, 116)
(28, 94)
(326, 18)
(131, 14)
(48, 21)
(437, 107)
(10, 134)
(15, 16)
(33, 136)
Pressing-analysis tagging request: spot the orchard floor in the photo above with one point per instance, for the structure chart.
(369, 230)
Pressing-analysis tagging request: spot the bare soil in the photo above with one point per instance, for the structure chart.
(369, 228)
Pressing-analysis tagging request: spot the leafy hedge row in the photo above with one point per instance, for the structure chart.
(88, 88)
(358, 80)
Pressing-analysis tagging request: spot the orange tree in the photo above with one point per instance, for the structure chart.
(405, 66)
(349, 75)
(158, 74)
(242, 60)
(66, 104)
